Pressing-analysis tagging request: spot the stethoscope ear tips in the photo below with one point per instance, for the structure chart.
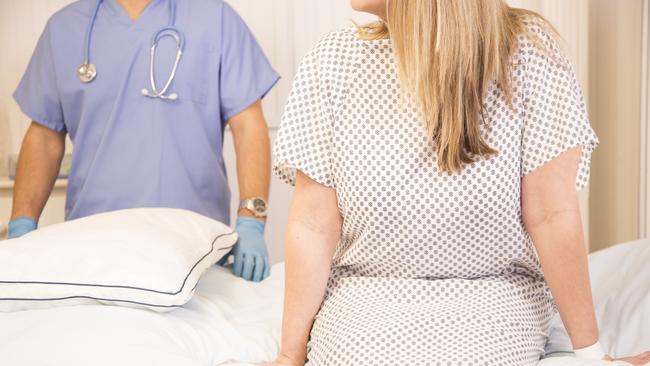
(144, 92)
(173, 96)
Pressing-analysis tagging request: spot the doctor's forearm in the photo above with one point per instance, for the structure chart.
(38, 167)
(253, 151)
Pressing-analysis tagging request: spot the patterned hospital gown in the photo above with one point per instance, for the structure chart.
(432, 268)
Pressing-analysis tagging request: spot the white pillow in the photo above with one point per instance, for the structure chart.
(147, 258)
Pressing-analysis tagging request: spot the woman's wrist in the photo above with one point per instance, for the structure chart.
(593, 352)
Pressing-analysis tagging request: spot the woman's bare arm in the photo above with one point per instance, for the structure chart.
(552, 217)
(313, 231)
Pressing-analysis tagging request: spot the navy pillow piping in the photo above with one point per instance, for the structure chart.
(92, 298)
(117, 286)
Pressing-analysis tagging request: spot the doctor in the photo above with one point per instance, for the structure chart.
(145, 89)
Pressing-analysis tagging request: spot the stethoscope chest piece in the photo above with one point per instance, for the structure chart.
(87, 72)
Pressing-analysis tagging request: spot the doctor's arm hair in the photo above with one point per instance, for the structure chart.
(252, 147)
(551, 214)
(38, 166)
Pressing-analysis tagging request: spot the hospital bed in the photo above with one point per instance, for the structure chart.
(229, 318)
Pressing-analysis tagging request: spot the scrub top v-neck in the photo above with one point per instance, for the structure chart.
(130, 150)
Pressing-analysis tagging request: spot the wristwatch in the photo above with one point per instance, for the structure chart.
(256, 205)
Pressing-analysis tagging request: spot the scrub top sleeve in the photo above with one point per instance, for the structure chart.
(37, 93)
(555, 117)
(246, 74)
(305, 141)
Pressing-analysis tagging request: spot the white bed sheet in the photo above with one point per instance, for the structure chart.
(620, 278)
(230, 318)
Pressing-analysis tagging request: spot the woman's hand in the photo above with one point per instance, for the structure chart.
(640, 359)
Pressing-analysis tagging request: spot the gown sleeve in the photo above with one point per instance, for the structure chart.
(305, 138)
(555, 117)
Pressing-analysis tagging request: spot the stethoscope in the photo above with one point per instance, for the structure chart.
(88, 71)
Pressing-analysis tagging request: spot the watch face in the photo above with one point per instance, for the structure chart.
(259, 205)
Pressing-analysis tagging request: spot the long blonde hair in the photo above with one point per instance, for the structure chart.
(448, 52)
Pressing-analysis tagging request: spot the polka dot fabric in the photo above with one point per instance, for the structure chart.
(555, 116)
(432, 268)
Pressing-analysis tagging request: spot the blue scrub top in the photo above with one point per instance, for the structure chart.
(130, 150)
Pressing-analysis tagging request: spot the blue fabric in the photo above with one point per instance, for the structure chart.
(20, 227)
(251, 255)
(130, 150)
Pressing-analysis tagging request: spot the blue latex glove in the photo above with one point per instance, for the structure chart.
(20, 227)
(251, 256)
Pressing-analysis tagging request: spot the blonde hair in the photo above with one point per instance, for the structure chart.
(448, 52)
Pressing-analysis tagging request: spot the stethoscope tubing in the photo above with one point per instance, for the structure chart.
(168, 31)
(89, 31)
(172, 32)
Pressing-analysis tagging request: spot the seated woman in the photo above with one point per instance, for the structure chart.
(435, 221)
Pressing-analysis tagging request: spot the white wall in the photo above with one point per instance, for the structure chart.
(286, 30)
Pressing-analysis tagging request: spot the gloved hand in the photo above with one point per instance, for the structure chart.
(20, 226)
(251, 256)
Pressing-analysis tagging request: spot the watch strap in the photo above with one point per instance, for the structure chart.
(249, 204)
